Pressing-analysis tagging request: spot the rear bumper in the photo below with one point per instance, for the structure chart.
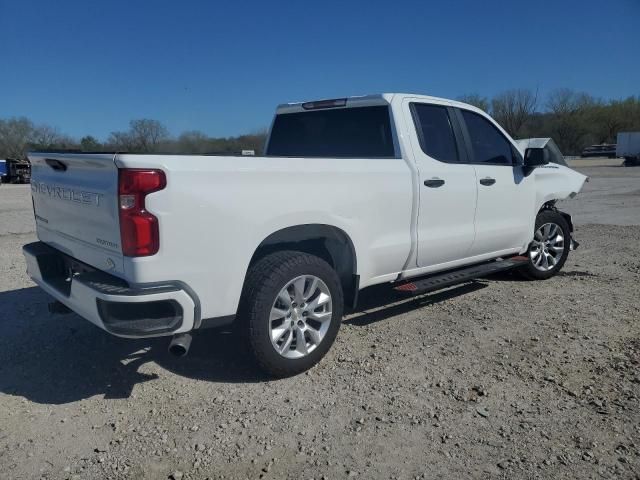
(131, 311)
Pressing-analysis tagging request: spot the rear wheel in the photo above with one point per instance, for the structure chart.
(549, 248)
(292, 307)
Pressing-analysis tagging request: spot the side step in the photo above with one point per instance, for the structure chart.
(447, 279)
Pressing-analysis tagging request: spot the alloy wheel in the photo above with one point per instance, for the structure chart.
(300, 316)
(547, 247)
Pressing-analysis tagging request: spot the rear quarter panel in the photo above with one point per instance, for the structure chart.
(216, 211)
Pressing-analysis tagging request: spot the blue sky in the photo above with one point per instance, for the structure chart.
(89, 67)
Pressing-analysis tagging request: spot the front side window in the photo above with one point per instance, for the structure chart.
(488, 144)
(357, 132)
(435, 131)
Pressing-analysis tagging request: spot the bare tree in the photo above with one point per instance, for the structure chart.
(476, 100)
(89, 143)
(44, 137)
(568, 125)
(15, 136)
(193, 141)
(147, 133)
(143, 135)
(609, 120)
(513, 108)
(19, 135)
(121, 141)
(565, 101)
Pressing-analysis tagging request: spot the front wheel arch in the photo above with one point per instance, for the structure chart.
(551, 205)
(547, 216)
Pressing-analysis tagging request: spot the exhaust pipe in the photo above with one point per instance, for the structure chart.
(179, 345)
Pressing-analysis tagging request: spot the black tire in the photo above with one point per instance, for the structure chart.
(530, 271)
(264, 281)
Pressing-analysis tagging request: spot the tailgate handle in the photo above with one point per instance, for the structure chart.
(57, 165)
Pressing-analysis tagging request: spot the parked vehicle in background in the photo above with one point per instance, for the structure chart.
(15, 171)
(603, 150)
(629, 148)
(415, 191)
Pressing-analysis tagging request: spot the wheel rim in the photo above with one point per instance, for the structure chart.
(547, 247)
(300, 316)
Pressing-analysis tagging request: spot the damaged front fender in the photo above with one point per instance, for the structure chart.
(556, 182)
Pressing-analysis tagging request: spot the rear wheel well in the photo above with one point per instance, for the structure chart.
(329, 243)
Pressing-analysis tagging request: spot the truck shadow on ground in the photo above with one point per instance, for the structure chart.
(513, 277)
(380, 302)
(64, 358)
(60, 359)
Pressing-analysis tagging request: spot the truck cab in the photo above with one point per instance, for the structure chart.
(473, 197)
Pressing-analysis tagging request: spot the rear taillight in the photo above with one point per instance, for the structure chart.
(139, 233)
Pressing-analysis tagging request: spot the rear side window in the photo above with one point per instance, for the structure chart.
(362, 132)
(488, 144)
(435, 132)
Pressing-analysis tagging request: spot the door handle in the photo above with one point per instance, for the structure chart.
(487, 181)
(434, 182)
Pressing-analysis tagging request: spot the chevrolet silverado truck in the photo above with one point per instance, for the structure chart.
(413, 191)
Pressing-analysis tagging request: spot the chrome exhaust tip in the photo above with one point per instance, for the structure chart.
(180, 344)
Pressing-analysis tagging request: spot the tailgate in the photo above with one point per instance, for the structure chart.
(75, 202)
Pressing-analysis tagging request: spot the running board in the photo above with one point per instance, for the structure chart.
(448, 279)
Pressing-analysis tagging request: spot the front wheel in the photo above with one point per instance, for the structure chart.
(549, 248)
(292, 306)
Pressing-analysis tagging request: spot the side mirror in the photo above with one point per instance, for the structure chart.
(535, 157)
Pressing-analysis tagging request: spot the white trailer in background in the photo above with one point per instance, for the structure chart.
(629, 148)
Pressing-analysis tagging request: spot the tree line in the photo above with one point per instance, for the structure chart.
(573, 119)
(19, 135)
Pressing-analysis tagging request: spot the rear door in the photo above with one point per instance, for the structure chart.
(75, 202)
(447, 187)
(506, 196)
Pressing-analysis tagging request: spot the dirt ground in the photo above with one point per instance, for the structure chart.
(500, 378)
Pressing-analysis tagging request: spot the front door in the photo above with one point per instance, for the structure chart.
(505, 196)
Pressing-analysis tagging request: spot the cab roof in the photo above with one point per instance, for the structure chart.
(364, 101)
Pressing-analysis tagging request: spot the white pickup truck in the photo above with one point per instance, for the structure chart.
(415, 191)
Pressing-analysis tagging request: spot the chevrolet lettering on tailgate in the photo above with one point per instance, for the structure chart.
(65, 193)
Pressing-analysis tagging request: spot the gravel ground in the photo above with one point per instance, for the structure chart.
(500, 378)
